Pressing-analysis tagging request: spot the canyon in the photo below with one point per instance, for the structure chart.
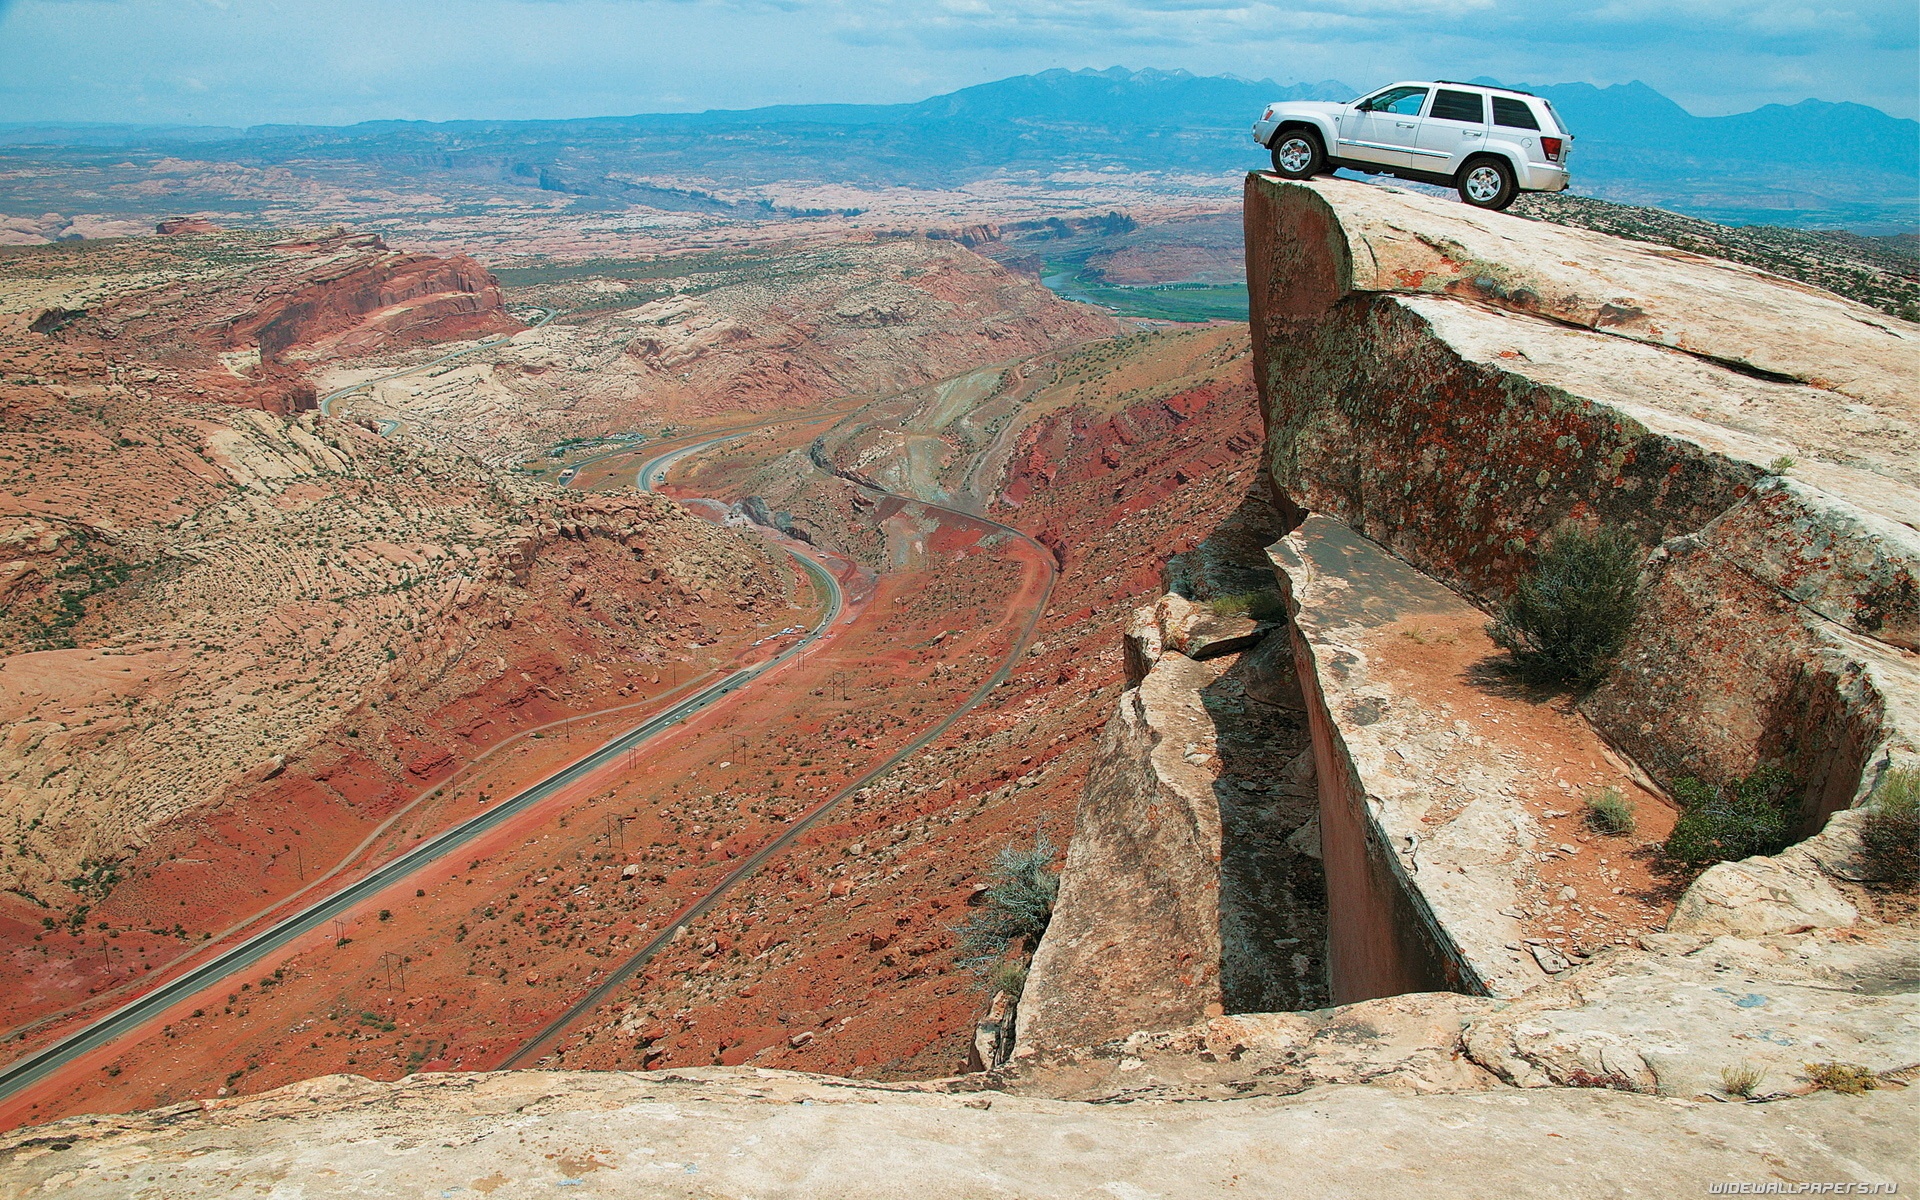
(1205, 605)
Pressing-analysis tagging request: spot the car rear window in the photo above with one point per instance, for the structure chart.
(1514, 113)
(1450, 105)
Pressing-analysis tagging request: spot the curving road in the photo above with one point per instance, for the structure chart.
(653, 471)
(31, 1069)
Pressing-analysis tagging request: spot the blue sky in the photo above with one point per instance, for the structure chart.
(338, 61)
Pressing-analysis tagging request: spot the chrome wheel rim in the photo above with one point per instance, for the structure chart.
(1295, 154)
(1483, 184)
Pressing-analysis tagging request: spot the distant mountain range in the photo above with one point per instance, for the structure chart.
(1812, 164)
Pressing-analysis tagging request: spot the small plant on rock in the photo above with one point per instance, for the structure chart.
(1742, 1081)
(1570, 616)
(1016, 906)
(1890, 829)
(1849, 1079)
(1261, 606)
(1008, 977)
(1725, 824)
(1608, 812)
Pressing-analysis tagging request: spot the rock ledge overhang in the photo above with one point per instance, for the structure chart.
(1454, 384)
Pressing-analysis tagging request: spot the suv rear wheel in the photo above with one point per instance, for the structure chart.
(1488, 183)
(1297, 154)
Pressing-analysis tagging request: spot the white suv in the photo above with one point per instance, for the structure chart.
(1491, 143)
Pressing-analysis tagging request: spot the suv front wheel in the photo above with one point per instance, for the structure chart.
(1488, 183)
(1297, 154)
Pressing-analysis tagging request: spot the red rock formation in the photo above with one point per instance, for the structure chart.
(175, 226)
(377, 302)
(295, 302)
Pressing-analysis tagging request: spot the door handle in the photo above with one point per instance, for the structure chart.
(1404, 124)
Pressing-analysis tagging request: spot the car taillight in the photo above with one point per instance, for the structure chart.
(1552, 146)
(1267, 115)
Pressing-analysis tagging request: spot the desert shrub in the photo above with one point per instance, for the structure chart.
(1609, 812)
(1725, 824)
(1845, 1078)
(1261, 606)
(1890, 828)
(1570, 615)
(1016, 907)
(1741, 1081)
(1008, 977)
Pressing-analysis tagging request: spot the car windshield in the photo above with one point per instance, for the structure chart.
(1553, 118)
(1401, 101)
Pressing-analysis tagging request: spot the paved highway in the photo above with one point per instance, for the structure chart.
(37, 1066)
(654, 471)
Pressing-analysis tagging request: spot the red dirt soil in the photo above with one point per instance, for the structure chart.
(845, 937)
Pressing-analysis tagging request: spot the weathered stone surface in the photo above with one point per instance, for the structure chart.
(1135, 940)
(1198, 632)
(1181, 896)
(1437, 785)
(1672, 1023)
(993, 1037)
(731, 1132)
(1387, 240)
(1270, 674)
(1787, 893)
(1839, 560)
(1455, 385)
(1411, 1043)
(1143, 644)
(1839, 850)
(1722, 674)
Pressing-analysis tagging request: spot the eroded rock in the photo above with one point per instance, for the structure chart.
(1787, 893)
(780, 1134)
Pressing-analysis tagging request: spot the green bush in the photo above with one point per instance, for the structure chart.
(1890, 830)
(1017, 905)
(1725, 824)
(1609, 812)
(1261, 606)
(1571, 613)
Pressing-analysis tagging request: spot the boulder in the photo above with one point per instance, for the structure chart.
(1671, 1024)
(1788, 893)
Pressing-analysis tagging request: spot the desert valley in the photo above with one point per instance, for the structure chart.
(938, 681)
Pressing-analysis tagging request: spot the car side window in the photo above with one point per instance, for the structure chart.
(1402, 102)
(1513, 113)
(1449, 105)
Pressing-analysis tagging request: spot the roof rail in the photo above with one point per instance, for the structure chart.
(1492, 87)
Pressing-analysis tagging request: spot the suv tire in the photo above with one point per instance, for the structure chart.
(1298, 154)
(1487, 182)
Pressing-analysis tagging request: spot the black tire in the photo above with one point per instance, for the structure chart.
(1487, 182)
(1298, 154)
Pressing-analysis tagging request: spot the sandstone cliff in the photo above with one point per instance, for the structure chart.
(1442, 389)
(1453, 385)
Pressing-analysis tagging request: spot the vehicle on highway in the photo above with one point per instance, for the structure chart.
(1491, 143)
